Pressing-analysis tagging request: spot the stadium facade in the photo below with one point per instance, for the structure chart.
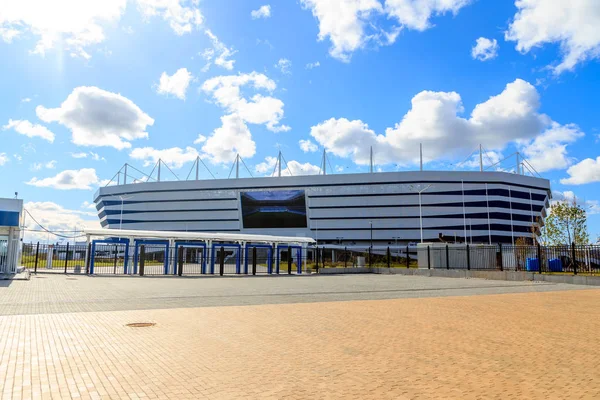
(349, 209)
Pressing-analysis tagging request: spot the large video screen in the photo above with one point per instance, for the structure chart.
(274, 209)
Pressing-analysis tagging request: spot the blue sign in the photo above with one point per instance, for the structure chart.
(9, 218)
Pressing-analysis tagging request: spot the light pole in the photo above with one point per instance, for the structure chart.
(122, 201)
(371, 228)
(420, 207)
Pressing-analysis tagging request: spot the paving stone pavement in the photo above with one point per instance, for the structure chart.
(53, 293)
(535, 344)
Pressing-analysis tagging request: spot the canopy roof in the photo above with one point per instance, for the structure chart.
(203, 236)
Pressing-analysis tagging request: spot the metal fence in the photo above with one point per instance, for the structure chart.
(565, 259)
(189, 259)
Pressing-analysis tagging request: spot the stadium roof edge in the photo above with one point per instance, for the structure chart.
(203, 236)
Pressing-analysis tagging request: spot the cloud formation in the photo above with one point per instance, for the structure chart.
(176, 84)
(352, 24)
(485, 49)
(84, 178)
(28, 129)
(262, 12)
(572, 25)
(434, 120)
(97, 117)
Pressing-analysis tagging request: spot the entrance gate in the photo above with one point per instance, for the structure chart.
(231, 257)
(156, 257)
(290, 253)
(261, 261)
(108, 256)
(194, 258)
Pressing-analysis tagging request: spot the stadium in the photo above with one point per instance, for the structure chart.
(376, 208)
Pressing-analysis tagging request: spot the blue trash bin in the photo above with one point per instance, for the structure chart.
(532, 265)
(555, 265)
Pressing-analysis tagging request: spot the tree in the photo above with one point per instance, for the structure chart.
(566, 223)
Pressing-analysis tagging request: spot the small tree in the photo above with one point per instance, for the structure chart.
(566, 224)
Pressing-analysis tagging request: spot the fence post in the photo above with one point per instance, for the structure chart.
(66, 257)
(89, 259)
(180, 259)
(468, 258)
(428, 257)
(501, 259)
(388, 258)
(142, 259)
(254, 261)
(115, 261)
(345, 257)
(407, 258)
(573, 257)
(222, 261)
(539, 257)
(289, 257)
(37, 252)
(447, 257)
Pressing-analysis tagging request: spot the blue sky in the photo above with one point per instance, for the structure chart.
(89, 86)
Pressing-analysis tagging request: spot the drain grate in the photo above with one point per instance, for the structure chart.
(141, 324)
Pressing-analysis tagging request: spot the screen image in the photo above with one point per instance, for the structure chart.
(274, 209)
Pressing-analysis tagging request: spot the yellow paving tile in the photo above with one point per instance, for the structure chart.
(509, 346)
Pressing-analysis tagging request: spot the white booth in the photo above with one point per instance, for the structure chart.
(11, 212)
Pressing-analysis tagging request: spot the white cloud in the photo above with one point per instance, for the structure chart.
(313, 65)
(222, 52)
(181, 17)
(70, 24)
(585, 171)
(352, 24)
(79, 155)
(56, 218)
(40, 166)
(489, 158)
(485, 49)
(17, 157)
(343, 22)
(75, 25)
(69, 179)
(573, 25)
(174, 157)
(415, 14)
(434, 121)
(548, 151)
(308, 146)
(96, 156)
(87, 204)
(175, 84)
(3, 159)
(262, 12)
(99, 118)
(259, 109)
(266, 166)
(231, 138)
(284, 65)
(25, 100)
(292, 168)
(295, 168)
(28, 129)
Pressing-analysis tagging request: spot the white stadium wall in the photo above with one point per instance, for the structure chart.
(346, 208)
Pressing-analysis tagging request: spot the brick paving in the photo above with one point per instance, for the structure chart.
(537, 344)
(57, 293)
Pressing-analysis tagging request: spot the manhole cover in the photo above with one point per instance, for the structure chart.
(141, 324)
